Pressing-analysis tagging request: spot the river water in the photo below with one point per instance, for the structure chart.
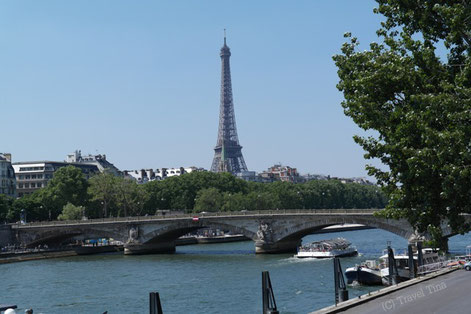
(212, 278)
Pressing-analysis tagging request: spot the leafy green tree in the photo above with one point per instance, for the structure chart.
(6, 204)
(210, 199)
(288, 195)
(103, 191)
(42, 205)
(125, 195)
(131, 197)
(180, 192)
(68, 185)
(156, 197)
(413, 90)
(72, 212)
(235, 202)
(35, 211)
(263, 201)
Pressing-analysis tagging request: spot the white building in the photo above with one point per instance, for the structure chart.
(7, 176)
(248, 176)
(33, 175)
(147, 175)
(98, 160)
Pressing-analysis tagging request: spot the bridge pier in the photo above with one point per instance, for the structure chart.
(149, 248)
(286, 246)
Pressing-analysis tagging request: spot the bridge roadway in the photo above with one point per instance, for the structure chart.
(275, 231)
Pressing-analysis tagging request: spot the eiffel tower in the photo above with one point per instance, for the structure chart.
(228, 152)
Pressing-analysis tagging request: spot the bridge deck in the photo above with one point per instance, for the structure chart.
(367, 212)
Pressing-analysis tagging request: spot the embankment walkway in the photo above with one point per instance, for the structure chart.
(445, 291)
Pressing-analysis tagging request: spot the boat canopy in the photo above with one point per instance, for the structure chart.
(337, 243)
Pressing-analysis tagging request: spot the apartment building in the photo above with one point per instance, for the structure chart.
(33, 175)
(7, 176)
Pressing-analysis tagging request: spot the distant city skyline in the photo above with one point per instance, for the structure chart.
(140, 82)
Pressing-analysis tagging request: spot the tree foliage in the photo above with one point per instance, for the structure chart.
(6, 203)
(68, 185)
(210, 199)
(103, 192)
(413, 91)
(71, 212)
(109, 195)
(131, 197)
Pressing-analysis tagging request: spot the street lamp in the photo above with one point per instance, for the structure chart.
(23, 216)
(104, 209)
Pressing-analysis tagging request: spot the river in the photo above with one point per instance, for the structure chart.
(211, 278)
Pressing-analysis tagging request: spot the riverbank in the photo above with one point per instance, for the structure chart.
(413, 296)
(6, 258)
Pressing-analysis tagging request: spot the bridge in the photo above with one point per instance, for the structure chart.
(275, 231)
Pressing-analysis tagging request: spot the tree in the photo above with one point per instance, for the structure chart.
(42, 205)
(103, 190)
(72, 212)
(418, 103)
(131, 197)
(125, 196)
(210, 199)
(235, 202)
(288, 195)
(37, 207)
(68, 185)
(156, 197)
(6, 203)
(263, 201)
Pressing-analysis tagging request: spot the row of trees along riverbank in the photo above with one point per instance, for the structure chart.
(70, 196)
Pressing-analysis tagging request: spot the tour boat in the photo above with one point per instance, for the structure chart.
(338, 247)
(367, 273)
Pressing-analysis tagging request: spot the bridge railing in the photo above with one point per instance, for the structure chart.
(199, 215)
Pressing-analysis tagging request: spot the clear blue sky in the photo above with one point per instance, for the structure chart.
(139, 81)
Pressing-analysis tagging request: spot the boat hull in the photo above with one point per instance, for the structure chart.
(329, 254)
(403, 275)
(363, 276)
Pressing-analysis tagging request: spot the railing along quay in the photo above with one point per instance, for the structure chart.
(199, 215)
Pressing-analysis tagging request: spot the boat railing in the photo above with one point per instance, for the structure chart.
(428, 268)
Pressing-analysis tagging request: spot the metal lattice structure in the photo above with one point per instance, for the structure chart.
(228, 152)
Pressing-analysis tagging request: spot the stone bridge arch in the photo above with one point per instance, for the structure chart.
(399, 227)
(155, 238)
(54, 236)
(174, 231)
(285, 236)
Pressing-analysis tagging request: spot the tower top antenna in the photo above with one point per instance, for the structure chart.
(224, 37)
